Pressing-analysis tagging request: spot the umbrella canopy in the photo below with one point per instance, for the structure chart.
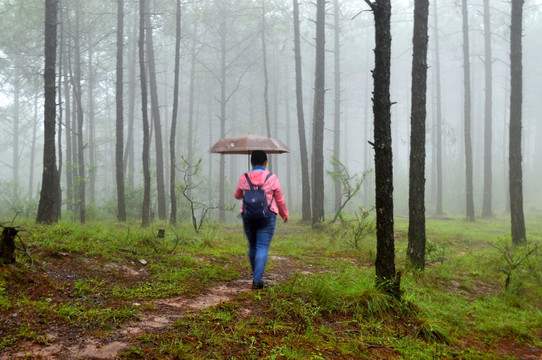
(246, 144)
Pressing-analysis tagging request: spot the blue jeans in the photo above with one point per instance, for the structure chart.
(259, 234)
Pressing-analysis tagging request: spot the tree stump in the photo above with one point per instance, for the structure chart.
(7, 245)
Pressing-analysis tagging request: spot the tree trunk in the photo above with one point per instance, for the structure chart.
(337, 103)
(289, 186)
(68, 119)
(33, 149)
(129, 158)
(50, 184)
(92, 168)
(488, 118)
(305, 179)
(516, 98)
(60, 125)
(7, 245)
(467, 114)
(80, 142)
(145, 211)
(386, 278)
(155, 111)
(16, 107)
(318, 117)
(265, 75)
(221, 202)
(119, 171)
(438, 120)
(191, 92)
(416, 203)
(172, 168)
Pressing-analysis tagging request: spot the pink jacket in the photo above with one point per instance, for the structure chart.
(272, 188)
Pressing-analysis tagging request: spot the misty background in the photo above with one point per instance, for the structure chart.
(21, 98)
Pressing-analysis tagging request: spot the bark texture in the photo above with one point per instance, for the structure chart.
(488, 115)
(173, 160)
(416, 200)
(305, 179)
(516, 98)
(469, 190)
(318, 114)
(48, 211)
(386, 278)
(145, 211)
(121, 201)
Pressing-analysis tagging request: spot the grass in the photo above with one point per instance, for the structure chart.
(91, 276)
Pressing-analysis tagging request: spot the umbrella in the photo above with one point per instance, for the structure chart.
(246, 144)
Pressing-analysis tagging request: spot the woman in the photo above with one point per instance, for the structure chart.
(260, 232)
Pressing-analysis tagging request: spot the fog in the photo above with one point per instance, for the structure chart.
(21, 99)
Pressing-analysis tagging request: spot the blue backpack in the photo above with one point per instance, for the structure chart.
(255, 206)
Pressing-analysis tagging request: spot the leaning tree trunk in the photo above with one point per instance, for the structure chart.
(172, 167)
(386, 278)
(119, 171)
(318, 117)
(305, 179)
(416, 200)
(467, 115)
(50, 183)
(516, 97)
(145, 211)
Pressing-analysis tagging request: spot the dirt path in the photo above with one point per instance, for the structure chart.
(163, 314)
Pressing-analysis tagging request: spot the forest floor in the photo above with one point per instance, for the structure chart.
(73, 304)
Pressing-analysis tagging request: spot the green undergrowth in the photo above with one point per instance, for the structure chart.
(478, 298)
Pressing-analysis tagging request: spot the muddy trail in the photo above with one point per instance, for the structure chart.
(156, 316)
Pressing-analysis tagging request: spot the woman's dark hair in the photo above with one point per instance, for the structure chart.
(258, 157)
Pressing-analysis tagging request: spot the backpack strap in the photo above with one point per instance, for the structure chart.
(249, 182)
(252, 186)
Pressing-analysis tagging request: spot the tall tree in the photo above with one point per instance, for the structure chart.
(91, 121)
(516, 98)
(119, 171)
(305, 179)
(438, 119)
(488, 114)
(145, 211)
(129, 158)
(418, 113)
(50, 183)
(386, 278)
(81, 182)
(318, 116)
(172, 194)
(337, 103)
(155, 111)
(467, 114)
(265, 74)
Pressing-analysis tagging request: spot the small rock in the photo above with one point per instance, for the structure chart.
(143, 262)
